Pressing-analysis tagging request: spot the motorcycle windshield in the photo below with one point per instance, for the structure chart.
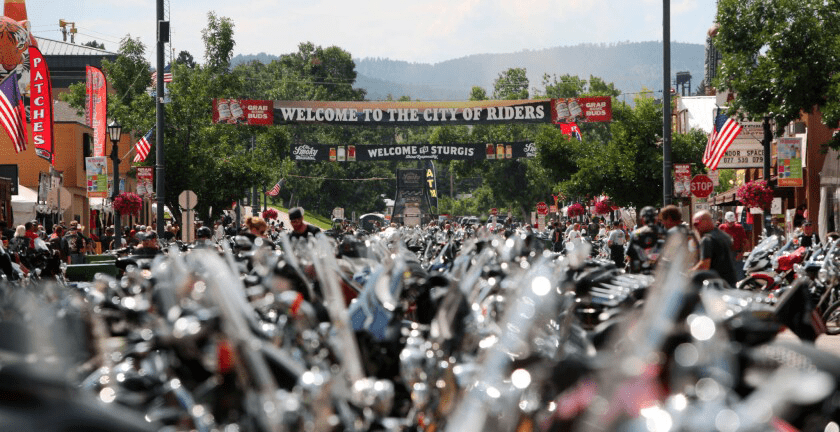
(765, 246)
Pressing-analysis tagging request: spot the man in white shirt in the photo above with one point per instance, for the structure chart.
(574, 235)
(615, 241)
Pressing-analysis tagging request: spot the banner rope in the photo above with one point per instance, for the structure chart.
(342, 179)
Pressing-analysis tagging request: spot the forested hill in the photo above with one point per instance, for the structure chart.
(632, 66)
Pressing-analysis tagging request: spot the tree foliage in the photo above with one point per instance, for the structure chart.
(780, 58)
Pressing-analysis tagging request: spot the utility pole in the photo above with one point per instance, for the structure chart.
(667, 184)
(765, 142)
(160, 179)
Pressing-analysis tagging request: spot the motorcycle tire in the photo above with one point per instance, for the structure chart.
(832, 319)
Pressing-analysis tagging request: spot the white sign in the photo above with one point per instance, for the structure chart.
(541, 221)
(776, 206)
(700, 204)
(743, 155)
(338, 213)
(751, 133)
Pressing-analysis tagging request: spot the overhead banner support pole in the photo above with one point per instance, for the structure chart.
(667, 184)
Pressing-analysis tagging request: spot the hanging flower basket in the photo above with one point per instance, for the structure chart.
(603, 207)
(575, 210)
(269, 214)
(755, 194)
(128, 203)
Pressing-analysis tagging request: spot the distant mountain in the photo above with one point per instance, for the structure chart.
(631, 66)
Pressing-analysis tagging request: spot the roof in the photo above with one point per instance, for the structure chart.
(63, 112)
(50, 47)
(700, 111)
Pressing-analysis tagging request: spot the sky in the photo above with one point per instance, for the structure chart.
(425, 31)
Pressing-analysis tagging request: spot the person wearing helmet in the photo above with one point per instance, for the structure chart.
(645, 242)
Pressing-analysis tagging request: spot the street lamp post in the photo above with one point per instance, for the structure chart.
(114, 131)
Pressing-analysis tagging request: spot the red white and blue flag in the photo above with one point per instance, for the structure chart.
(143, 147)
(725, 131)
(276, 189)
(11, 112)
(167, 75)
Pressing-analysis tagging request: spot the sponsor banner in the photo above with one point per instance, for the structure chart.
(145, 180)
(243, 111)
(413, 113)
(97, 104)
(97, 176)
(581, 110)
(324, 152)
(682, 180)
(431, 182)
(789, 162)
(40, 106)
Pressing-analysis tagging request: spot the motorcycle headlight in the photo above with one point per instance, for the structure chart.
(822, 275)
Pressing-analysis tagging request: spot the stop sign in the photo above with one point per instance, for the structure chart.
(701, 186)
(542, 208)
(494, 211)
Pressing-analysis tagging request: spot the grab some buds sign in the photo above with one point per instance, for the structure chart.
(597, 109)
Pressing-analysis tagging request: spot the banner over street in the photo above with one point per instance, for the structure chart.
(327, 152)
(420, 113)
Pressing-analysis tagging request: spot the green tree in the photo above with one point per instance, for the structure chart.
(128, 78)
(94, 44)
(478, 94)
(185, 58)
(766, 66)
(218, 42)
(511, 84)
(632, 160)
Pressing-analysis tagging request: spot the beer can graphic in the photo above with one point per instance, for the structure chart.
(351, 153)
(574, 109)
(341, 154)
(491, 151)
(238, 116)
(562, 110)
(332, 154)
(500, 151)
(224, 110)
(508, 151)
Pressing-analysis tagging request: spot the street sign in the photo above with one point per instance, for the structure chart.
(542, 208)
(188, 199)
(494, 211)
(701, 186)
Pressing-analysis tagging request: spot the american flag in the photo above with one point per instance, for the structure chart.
(276, 189)
(11, 112)
(143, 147)
(167, 75)
(725, 131)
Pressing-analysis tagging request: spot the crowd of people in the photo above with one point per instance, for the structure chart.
(714, 245)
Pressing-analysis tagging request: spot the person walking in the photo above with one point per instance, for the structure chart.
(615, 242)
(715, 248)
(740, 241)
(301, 229)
